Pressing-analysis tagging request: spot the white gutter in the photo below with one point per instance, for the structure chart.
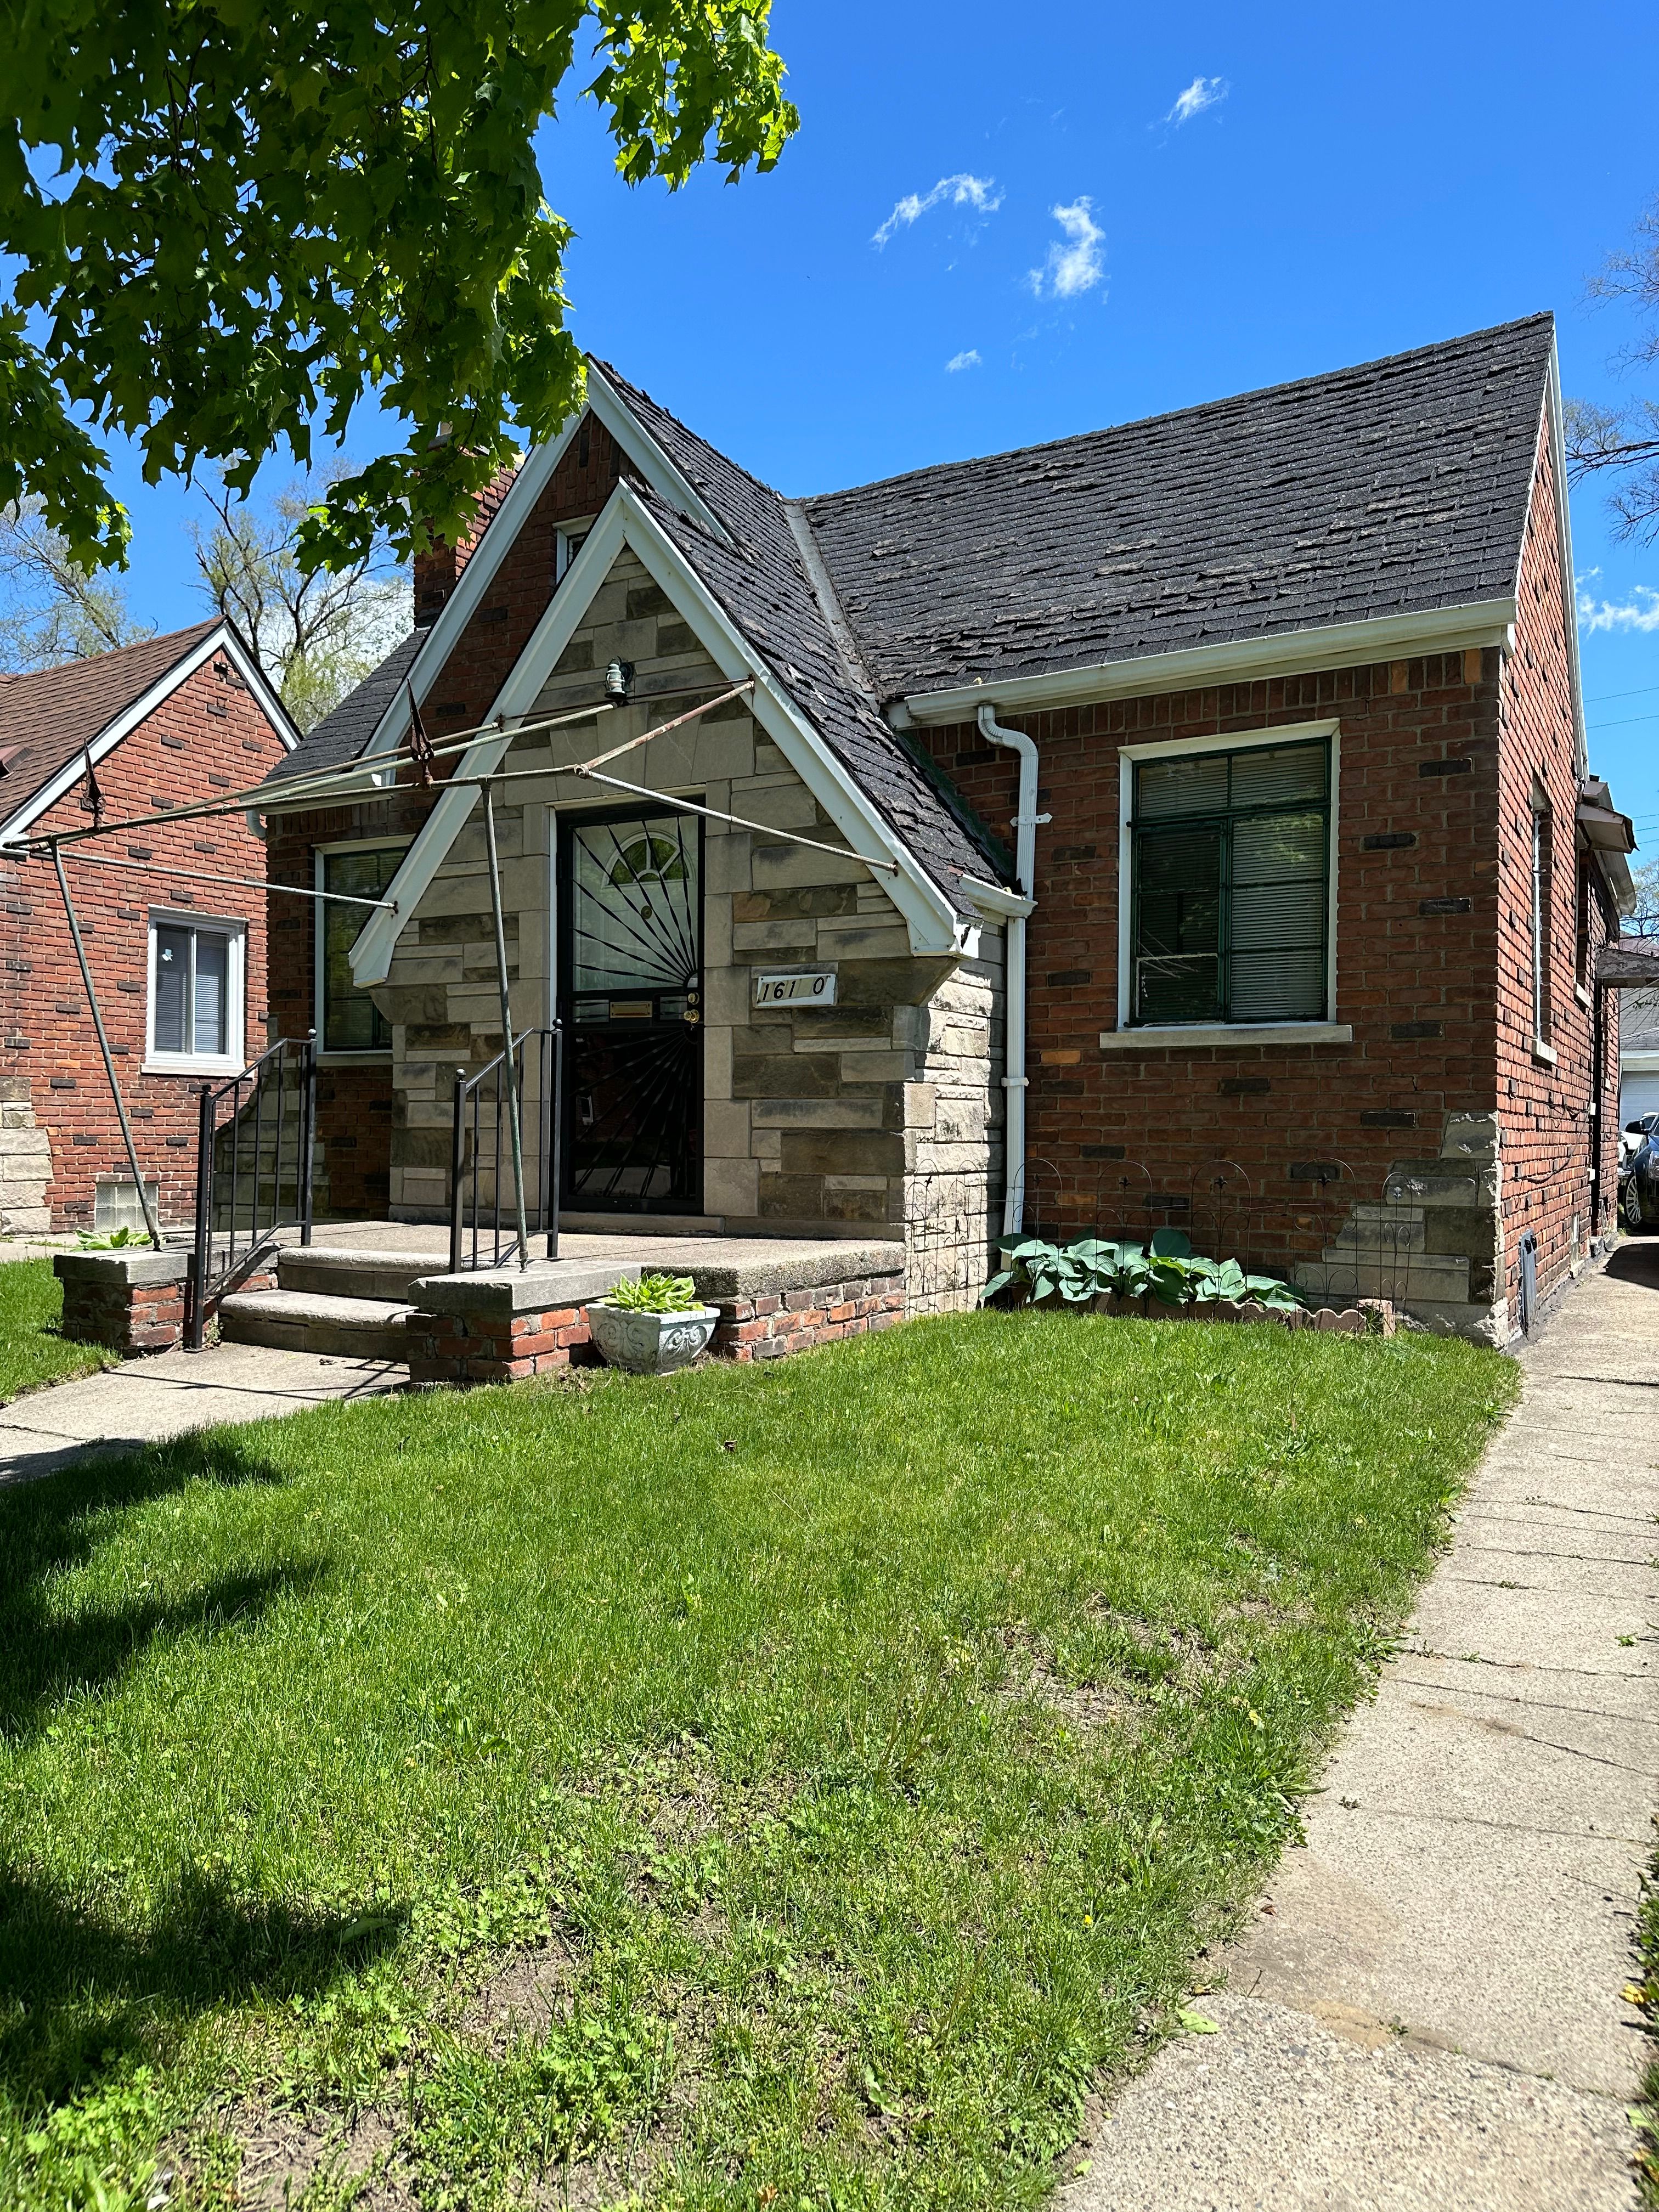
(1283, 653)
(1015, 1080)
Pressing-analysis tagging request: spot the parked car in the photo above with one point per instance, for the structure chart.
(1638, 1173)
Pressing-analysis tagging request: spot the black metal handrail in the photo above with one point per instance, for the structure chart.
(288, 1069)
(483, 1230)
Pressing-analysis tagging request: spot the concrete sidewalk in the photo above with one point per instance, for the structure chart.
(1425, 2013)
(144, 1400)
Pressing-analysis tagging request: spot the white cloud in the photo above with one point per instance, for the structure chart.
(969, 359)
(1076, 266)
(1203, 92)
(1640, 611)
(980, 193)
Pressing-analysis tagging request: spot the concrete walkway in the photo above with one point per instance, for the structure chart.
(144, 1400)
(1425, 2013)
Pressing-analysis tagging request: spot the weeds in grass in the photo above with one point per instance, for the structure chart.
(708, 1695)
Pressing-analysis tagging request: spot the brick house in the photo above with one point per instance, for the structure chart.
(1204, 835)
(178, 961)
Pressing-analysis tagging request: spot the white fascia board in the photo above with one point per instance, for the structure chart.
(934, 924)
(371, 954)
(475, 579)
(650, 458)
(1287, 653)
(531, 480)
(263, 691)
(220, 639)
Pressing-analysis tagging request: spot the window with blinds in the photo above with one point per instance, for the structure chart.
(1231, 885)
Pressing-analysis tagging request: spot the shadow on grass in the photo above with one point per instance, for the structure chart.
(50, 1527)
(81, 1995)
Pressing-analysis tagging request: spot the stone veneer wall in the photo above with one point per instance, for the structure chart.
(884, 1111)
(25, 1161)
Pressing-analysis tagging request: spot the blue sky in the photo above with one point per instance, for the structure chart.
(1340, 185)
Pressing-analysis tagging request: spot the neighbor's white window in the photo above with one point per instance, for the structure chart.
(196, 971)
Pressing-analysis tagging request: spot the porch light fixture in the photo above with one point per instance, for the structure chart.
(618, 682)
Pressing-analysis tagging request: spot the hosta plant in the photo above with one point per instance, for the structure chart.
(657, 1294)
(1167, 1269)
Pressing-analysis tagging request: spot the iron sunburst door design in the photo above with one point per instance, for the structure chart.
(632, 952)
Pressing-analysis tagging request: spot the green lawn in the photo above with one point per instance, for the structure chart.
(858, 1750)
(31, 1351)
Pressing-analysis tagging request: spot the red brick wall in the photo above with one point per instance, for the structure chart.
(1417, 759)
(208, 737)
(1549, 1144)
(356, 1113)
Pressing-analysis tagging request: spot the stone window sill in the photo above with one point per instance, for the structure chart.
(187, 1066)
(1225, 1033)
(1545, 1055)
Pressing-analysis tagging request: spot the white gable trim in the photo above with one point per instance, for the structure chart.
(222, 638)
(934, 924)
(502, 531)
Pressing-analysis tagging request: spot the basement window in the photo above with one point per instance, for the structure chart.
(196, 991)
(1230, 887)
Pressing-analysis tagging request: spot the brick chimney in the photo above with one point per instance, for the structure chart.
(438, 571)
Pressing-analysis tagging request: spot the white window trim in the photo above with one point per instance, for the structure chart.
(1325, 1030)
(200, 1063)
(374, 1056)
(564, 550)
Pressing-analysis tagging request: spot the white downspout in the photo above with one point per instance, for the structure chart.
(1014, 1079)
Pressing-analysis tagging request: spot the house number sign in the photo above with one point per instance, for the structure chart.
(800, 987)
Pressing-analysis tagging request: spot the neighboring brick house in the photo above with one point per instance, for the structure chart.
(179, 963)
(1309, 880)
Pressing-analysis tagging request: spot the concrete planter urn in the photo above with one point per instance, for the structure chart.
(649, 1343)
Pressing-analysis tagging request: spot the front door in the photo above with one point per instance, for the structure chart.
(630, 940)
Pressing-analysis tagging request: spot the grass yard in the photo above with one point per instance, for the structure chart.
(32, 1353)
(775, 1787)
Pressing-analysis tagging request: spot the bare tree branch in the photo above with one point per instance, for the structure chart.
(51, 609)
(1624, 439)
(316, 632)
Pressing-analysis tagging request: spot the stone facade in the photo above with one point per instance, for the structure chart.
(880, 1113)
(25, 1161)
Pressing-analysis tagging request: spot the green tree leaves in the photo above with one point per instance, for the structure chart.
(232, 226)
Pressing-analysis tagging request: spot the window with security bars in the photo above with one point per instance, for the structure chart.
(1231, 885)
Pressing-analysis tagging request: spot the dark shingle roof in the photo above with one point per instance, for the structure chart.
(1390, 489)
(48, 717)
(762, 583)
(342, 735)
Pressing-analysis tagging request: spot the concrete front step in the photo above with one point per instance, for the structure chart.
(341, 1273)
(310, 1320)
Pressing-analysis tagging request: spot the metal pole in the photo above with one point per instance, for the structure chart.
(307, 1131)
(510, 1065)
(556, 1121)
(203, 1259)
(103, 1046)
(457, 1168)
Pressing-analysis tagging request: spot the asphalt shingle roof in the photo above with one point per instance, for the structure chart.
(1394, 488)
(50, 716)
(1390, 489)
(342, 735)
(764, 587)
